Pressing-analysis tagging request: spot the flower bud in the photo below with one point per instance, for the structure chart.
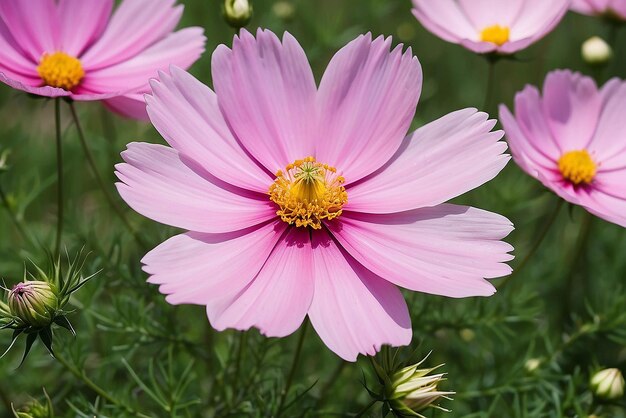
(608, 384)
(284, 10)
(237, 12)
(596, 51)
(532, 364)
(34, 303)
(413, 390)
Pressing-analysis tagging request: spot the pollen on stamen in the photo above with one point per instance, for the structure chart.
(60, 70)
(307, 193)
(496, 34)
(577, 167)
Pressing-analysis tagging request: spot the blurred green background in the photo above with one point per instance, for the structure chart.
(567, 307)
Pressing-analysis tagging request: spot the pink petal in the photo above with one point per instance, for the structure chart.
(572, 106)
(40, 91)
(583, 6)
(438, 162)
(131, 106)
(186, 113)
(160, 184)
(486, 13)
(134, 26)
(181, 48)
(353, 310)
(13, 62)
(445, 250)
(33, 24)
(609, 142)
(211, 269)
(367, 99)
(445, 19)
(278, 298)
(604, 205)
(81, 22)
(266, 90)
(538, 18)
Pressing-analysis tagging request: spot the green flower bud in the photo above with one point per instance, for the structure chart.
(284, 10)
(34, 303)
(413, 390)
(237, 12)
(608, 384)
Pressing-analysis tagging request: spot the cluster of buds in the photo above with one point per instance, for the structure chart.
(35, 409)
(37, 303)
(407, 390)
(237, 13)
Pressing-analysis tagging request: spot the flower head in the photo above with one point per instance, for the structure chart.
(608, 384)
(86, 51)
(571, 138)
(490, 27)
(610, 9)
(305, 200)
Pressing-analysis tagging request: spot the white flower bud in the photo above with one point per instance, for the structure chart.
(596, 51)
(608, 384)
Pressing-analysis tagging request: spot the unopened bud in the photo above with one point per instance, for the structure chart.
(237, 12)
(596, 51)
(608, 384)
(532, 364)
(34, 303)
(284, 10)
(413, 390)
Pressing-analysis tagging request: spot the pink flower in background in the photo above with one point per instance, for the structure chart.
(305, 200)
(490, 26)
(573, 139)
(80, 49)
(615, 9)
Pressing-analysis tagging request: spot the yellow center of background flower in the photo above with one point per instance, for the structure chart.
(496, 34)
(577, 167)
(308, 192)
(60, 70)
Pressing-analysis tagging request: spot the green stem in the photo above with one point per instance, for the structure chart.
(491, 81)
(100, 181)
(93, 386)
(331, 382)
(13, 217)
(57, 120)
(540, 238)
(294, 367)
(365, 409)
(240, 352)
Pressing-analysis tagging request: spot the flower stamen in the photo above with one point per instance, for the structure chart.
(496, 34)
(60, 70)
(577, 167)
(308, 192)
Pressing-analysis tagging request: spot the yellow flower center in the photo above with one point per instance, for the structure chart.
(308, 192)
(60, 70)
(496, 34)
(577, 167)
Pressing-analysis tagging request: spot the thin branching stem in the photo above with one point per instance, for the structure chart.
(294, 367)
(13, 216)
(59, 142)
(100, 181)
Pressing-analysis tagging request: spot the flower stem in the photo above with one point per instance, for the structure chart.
(13, 216)
(365, 409)
(94, 387)
(540, 238)
(491, 81)
(294, 366)
(57, 120)
(100, 181)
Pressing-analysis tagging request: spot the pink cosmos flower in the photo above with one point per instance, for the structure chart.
(615, 9)
(490, 26)
(305, 200)
(80, 49)
(572, 140)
